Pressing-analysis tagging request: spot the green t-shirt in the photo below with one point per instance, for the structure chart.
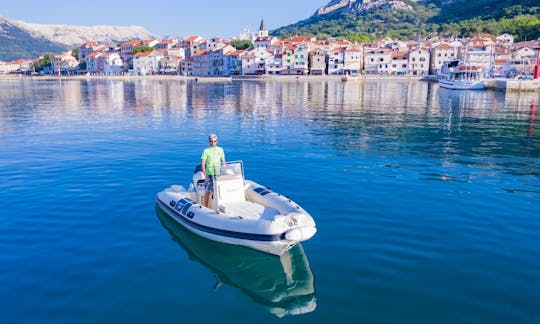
(213, 157)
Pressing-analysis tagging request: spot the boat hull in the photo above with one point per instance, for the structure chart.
(460, 85)
(273, 233)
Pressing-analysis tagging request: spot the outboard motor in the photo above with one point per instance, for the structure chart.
(199, 183)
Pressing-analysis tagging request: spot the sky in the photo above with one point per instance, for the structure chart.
(207, 18)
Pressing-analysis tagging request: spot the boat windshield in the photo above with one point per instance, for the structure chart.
(233, 168)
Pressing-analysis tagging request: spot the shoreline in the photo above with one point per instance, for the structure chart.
(220, 79)
(491, 84)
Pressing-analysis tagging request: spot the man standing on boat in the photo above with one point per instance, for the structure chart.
(211, 159)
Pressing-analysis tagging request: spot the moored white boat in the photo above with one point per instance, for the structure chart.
(240, 212)
(455, 76)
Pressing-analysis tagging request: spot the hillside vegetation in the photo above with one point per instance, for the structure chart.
(462, 18)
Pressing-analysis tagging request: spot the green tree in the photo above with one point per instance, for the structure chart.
(241, 44)
(75, 53)
(43, 62)
(142, 48)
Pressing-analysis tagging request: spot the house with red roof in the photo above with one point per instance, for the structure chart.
(440, 53)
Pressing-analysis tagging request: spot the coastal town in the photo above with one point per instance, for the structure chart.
(497, 55)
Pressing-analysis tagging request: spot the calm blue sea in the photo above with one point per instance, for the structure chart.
(427, 202)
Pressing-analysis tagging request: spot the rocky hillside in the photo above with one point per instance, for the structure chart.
(19, 39)
(357, 6)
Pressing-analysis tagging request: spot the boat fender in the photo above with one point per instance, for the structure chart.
(300, 233)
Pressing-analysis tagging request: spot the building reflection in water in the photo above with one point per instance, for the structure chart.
(283, 285)
(317, 102)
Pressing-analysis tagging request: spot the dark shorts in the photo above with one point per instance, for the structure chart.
(210, 184)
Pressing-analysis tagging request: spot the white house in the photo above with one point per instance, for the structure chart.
(419, 61)
(377, 61)
(336, 60)
(256, 60)
(112, 63)
(400, 63)
(146, 63)
(64, 63)
(352, 61)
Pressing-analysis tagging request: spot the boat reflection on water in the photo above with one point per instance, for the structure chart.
(283, 284)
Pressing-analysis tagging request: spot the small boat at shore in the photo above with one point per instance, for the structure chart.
(240, 212)
(456, 76)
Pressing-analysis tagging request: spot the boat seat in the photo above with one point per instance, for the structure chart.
(230, 189)
(248, 210)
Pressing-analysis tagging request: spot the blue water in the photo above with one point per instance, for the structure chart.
(426, 202)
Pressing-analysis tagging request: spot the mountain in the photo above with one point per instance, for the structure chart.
(362, 20)
(19, 39)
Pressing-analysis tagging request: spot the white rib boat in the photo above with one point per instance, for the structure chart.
(240, 212)
(283, 285)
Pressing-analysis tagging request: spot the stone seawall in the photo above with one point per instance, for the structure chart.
(513, 85)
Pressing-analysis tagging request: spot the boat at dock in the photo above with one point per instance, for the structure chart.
(240, 212)
(457, 76)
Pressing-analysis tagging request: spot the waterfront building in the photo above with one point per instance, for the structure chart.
(400, 63)
(377, 61)
(352, 61)
(186, 67)
(145, 63)
(418, 63)
(170, 64)
(249, 64)
(336, 60)
(301, 58)
(18, 66)
(64, 64)
(232, 62)
(256, 60)
(112, 63)
(317, 62)
(440, 53)
(92, 62)
(217, 61)
(275, 65)
(201, 63)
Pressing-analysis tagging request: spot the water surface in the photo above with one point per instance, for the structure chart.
(426, 202)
